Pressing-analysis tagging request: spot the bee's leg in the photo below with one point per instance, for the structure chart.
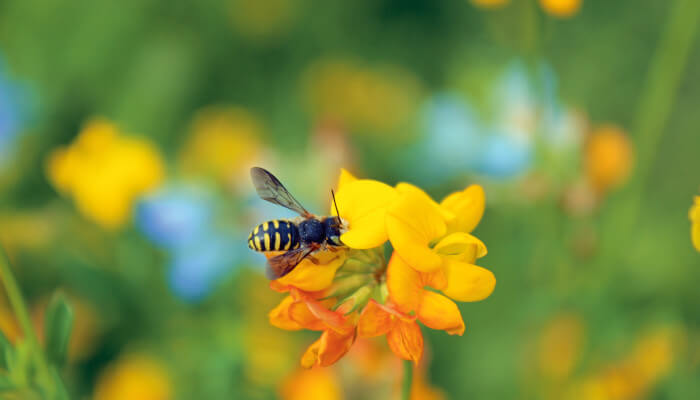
(313, 260)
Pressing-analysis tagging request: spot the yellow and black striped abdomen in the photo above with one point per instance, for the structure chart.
(275, 235)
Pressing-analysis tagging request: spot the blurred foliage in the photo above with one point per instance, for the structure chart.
(578, 118)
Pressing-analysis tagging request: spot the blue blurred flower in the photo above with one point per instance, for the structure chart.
(504, 156)
(180, 218)
(175, 216)
(197, 267)
(15, 109)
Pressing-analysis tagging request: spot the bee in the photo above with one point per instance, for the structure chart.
(298, 238)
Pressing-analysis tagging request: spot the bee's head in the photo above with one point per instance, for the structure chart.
(334, 227)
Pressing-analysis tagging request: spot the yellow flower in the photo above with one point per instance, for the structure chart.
(313, 276)
(363, 204)
(223, 142)
(608, 158)
(312, 384)
(418, 227)
(360, 97)
(105, 172)
(694, 215)
(431, 255)
(134, 377)
(490, 3)
(560, 345)
(433, 262)
(262, 18)
(561, 8)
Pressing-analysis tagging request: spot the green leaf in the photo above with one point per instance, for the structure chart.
(6, 383)
(57, 329)
(6, 351)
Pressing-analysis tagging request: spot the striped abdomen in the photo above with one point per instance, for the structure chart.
(274, 235)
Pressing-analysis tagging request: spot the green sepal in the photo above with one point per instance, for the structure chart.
(58, 324)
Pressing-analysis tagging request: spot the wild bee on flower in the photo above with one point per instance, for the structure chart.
(299, 238)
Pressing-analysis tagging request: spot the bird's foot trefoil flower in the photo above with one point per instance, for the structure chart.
(357, 291)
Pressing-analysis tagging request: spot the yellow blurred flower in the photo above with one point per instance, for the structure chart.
(561, 8)
(490, 3)
(694, 215)
(262, 18)
(134, 377)
(223, 142)
(608, 158)
(560, 345)
(366, 100)
(8, 323)
(105, 172)
(635, 375)
(311, 384)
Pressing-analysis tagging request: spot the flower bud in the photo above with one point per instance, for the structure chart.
(357, 300)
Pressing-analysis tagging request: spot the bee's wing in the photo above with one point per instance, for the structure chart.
(281, 265)
(271, 189)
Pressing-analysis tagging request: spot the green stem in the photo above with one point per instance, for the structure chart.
(20, 309)
(656, 103)
(407, 380)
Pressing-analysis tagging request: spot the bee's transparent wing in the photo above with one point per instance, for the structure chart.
(281, 265)
(271, 189)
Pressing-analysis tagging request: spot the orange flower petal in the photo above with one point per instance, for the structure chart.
(300, 313)
(406, 340)
(404, 284)
(438, 312)
(319, 310)
(468, 282)
(436, 279)
(412, 222)
(312, 277)
(279, 316)
(363, 204)
(374, 321)
(328, 349)
(468, 207)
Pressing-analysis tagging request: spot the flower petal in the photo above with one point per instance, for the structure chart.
(374, 321)
(300, 313)
(412, 223)
(461, 246)
(328, 349)
(279, 316)
(312, 277)
(404, 284)
(468, 282)
(318, 311)
(438, 312)
(363, 204)
(406, 340)
(468, 207)
(345, 178)
(695, 234)
(405, 188)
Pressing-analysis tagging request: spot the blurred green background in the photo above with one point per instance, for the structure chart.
(127, 130)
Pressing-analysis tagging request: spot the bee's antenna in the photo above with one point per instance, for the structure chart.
(335, 204)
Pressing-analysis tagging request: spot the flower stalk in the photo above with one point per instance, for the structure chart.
(14, 294)
(407, 380)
